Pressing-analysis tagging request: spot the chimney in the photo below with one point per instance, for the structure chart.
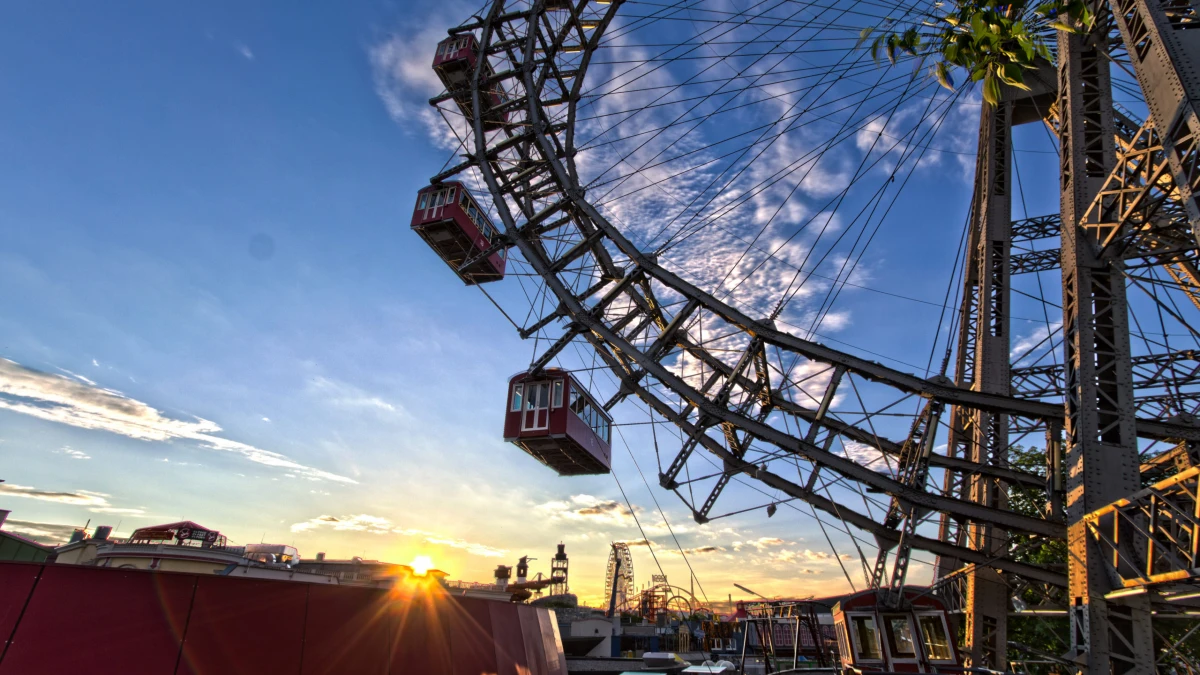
(102, 532)
(321, 556)
(503, 574)
(3, 517)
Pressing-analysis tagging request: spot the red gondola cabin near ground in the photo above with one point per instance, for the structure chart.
(917, 639)
(451, 222)
(556, 421)
(454, 64)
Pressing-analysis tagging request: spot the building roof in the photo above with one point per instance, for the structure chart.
(15, 547)
(176, 526)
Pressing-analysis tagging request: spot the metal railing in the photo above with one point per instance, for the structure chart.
(1152, 536)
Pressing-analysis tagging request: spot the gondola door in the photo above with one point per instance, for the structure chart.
(902, 646)
(433, 204)
(537, 407)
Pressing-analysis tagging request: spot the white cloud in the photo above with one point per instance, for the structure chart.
(379, 525)
(1036, 344)
(868, 456)
(586, 508)
(72, 453)
(245, 52)
(762, 543)
(61, 399)
(344, 395)
(266, 419)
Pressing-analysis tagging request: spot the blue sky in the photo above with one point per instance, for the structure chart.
(215, 309)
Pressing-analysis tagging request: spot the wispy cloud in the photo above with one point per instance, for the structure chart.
(73, 498)
(72, 453)
(699, 550)
(96, 502)
(379, 525)
(68, 401)
(43, 533)
(640, 542)
(345, 395)
(245, 52)
(586, 508)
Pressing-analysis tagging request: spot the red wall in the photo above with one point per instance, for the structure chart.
(68, 619)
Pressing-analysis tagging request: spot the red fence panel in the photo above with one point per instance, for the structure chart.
(91, 620)
(531, 631)
(422, 637)
(348, 630)
(510, 641)
(244, 626)
(16, 583)
(556, 661)
(471, 637)
(76, 619)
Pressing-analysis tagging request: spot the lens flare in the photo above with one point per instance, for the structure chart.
(421, 565)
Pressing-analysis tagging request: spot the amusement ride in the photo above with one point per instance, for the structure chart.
(672, 200)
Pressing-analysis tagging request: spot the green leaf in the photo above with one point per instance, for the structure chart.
(862, 37)
(991, 89)
(943, 76)
(1010, 74)
(977, 25)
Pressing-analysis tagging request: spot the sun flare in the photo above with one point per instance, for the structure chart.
(421, 565)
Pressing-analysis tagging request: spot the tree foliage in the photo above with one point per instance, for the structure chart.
(1051, 634)
(994, 41)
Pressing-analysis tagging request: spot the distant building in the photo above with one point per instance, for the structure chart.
(359, 572)
(184, 546)
(18, 548)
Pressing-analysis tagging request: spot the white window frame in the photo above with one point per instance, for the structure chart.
(556, 397)
(853, 635)
(941, 618)
(885, 628)
(518, 398)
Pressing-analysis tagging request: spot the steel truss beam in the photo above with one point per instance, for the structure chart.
(986, 636)
(1101, 443)
(535, 182)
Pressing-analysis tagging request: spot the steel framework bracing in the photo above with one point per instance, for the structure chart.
(752, 398)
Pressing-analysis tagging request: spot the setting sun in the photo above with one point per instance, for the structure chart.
(421, 565)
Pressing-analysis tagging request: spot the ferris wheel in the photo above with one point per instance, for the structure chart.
(684, 194)
(619, 585)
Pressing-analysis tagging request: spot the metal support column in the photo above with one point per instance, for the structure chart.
(986, 608)
(1163, 42)
(1100, 440)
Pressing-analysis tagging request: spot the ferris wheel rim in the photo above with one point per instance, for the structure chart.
(578, 312)
(565, 174)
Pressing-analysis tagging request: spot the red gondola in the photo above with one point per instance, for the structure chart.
(915, 639)
(448, 218)
(554, 419)
(454, 64)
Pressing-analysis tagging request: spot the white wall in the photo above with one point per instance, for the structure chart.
(593, 627)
